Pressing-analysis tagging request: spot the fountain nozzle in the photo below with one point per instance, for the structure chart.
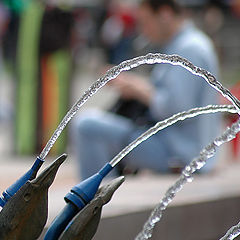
(84, 192)
(79, 196)
(29, 175)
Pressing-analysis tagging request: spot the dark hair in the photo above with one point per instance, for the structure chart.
(156, 4)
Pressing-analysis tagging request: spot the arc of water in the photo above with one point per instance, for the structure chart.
(186, 176)
(127, 65)
(168, 122)
(232, 233)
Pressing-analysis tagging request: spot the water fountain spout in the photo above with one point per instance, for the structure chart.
(29, 175)
(85, 224)
(25, 214)
(79, 196)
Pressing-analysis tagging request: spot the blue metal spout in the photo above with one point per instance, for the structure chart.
(29, 175)
(79, 196)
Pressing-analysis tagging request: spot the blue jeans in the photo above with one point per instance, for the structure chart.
(102, 135)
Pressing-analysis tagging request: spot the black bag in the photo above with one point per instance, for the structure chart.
(140, 115)
(134, 110)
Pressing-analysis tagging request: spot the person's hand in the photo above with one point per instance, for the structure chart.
(133, 86)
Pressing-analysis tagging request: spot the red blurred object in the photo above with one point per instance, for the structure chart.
(235, 143)
(235, 6)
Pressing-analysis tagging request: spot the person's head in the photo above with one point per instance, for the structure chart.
(159, 19)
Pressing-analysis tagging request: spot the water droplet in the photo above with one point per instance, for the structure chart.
(189, 179)
(187, 171)
(200, 164)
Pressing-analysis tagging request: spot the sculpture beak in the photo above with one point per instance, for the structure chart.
(47, 176)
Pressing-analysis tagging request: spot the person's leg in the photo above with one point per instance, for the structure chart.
(100, 137)
(152, 154)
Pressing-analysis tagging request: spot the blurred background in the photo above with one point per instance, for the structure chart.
(51, 51)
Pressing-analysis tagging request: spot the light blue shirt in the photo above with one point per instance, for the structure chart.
(179, 90)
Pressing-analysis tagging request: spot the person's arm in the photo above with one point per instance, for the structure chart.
(176, 88)
(134, 86)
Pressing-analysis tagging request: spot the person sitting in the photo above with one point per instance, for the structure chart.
(169, 90)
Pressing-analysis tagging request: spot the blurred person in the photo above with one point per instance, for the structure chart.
(118, 31)
(235, 6)
(55, 74)
(170, 89)
(37, 45)
(5, 108)
(4, 19)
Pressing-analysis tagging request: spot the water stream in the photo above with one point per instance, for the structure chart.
(196, 163)
(232, 233)
(186, 176)
(127, 65)
(168, 122)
